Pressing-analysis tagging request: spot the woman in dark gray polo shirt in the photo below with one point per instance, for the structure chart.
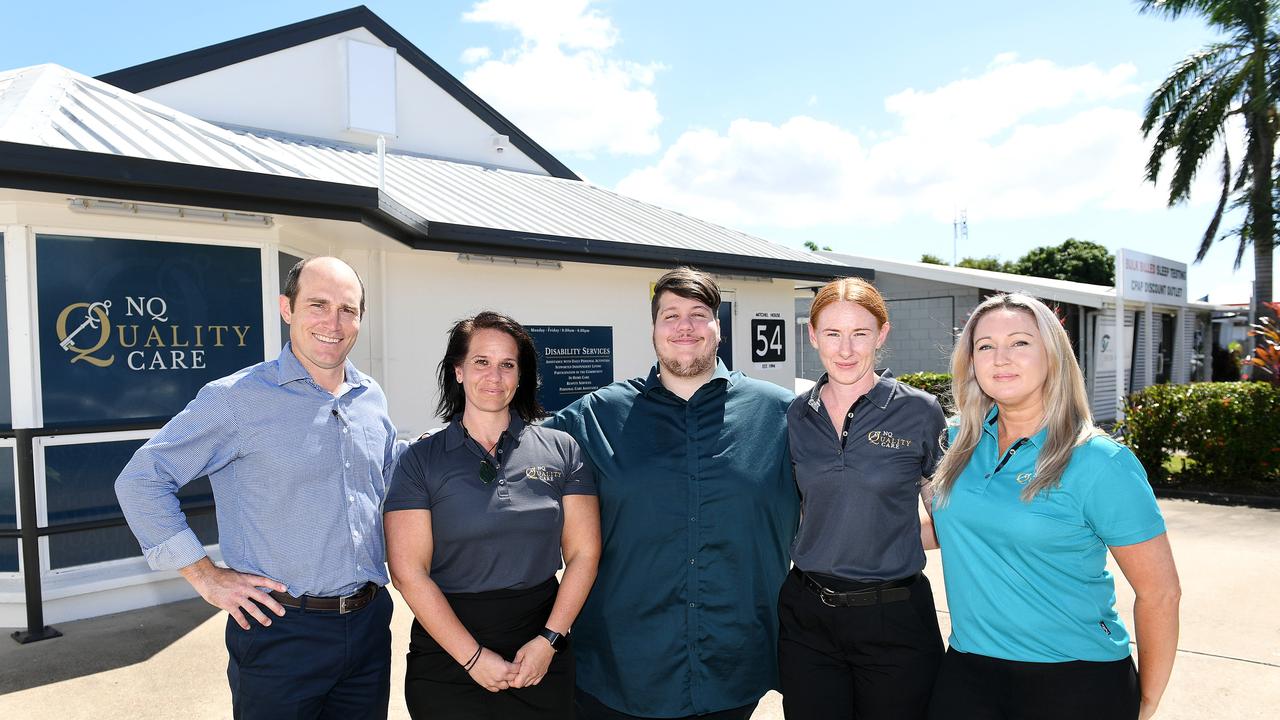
(859, 636)
(478, 517)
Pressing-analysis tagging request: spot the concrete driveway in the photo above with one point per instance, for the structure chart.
(169, 661)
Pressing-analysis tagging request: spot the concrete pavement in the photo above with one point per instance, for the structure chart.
(169, 661)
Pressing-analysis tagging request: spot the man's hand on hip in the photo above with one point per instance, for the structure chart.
(236, 592)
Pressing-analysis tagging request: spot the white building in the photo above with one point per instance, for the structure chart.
(928, 305)
(149, 214)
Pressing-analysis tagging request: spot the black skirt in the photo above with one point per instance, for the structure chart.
(437, 687)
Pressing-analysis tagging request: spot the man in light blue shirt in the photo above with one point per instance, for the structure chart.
(298, 451)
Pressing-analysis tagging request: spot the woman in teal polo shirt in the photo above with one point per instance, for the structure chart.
(1028, 499)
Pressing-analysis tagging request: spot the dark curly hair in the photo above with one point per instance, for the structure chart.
(452, 397)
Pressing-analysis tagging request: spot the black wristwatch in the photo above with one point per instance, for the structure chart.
(557, 640)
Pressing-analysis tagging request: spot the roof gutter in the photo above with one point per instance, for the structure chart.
(463, 238)
(58, 170)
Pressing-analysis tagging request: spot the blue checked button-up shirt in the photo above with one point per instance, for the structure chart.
(298, 476)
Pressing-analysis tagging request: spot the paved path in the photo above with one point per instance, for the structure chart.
(170, 662)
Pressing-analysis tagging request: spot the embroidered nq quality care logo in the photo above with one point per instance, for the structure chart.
(542, 473)
(1024, 478)
(884, 438)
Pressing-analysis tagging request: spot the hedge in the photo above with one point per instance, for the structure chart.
(937, 383)
(1228, 431)
(1225, 435)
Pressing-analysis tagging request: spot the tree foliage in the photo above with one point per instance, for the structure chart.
(1076, 260)
(990, 262)
(1237, 77)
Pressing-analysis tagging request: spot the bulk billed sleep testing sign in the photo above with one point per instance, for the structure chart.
(572, 361)
(130, 330)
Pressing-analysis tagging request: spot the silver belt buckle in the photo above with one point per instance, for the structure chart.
(343, 608)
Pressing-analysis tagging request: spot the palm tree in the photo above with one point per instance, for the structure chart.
(1236, 77)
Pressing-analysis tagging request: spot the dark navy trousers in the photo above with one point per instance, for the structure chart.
(313, 664)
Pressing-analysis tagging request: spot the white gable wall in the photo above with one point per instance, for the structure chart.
(302, 90)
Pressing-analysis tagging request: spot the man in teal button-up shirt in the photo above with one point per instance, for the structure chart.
(698, 506)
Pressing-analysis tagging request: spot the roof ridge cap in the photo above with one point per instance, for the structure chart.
(32, 100)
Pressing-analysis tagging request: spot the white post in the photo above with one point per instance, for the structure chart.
(19, 246)
(1119, 336)
(382, 163)
(1181, 350)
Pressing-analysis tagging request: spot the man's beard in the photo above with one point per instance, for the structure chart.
(695, 367)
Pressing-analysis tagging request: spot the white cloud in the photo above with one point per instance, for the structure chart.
(1023, 139)
(1007, 93)
(1003, 58)
(473, 55)
(571, 23)
(562, 84)
(803, 170)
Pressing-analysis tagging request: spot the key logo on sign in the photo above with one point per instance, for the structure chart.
(77, 340)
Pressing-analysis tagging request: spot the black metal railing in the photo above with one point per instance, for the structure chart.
(30, 533)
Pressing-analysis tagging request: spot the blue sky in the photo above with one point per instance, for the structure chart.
(861, 126)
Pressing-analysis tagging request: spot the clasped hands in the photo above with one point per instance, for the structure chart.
(493, 673)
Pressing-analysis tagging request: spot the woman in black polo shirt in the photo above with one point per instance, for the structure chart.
(859, 636)
(478, 517)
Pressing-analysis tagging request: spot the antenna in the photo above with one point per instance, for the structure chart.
(959, 231)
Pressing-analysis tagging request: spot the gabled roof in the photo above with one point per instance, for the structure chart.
(64, 132)
(147, 76)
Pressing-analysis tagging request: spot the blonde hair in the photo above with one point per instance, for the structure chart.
(1066, 403)
(855, 290)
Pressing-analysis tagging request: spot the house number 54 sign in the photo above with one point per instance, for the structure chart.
(768, 338)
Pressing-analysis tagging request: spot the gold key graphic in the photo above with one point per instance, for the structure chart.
(90, 320)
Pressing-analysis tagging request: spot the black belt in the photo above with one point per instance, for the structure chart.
(891, 591)
(341, 604)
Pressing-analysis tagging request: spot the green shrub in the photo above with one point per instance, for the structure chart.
(1228, 433)
(937, 383)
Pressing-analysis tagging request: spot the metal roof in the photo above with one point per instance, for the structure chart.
(51, 106)
(1076, 293)
(467, 194)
